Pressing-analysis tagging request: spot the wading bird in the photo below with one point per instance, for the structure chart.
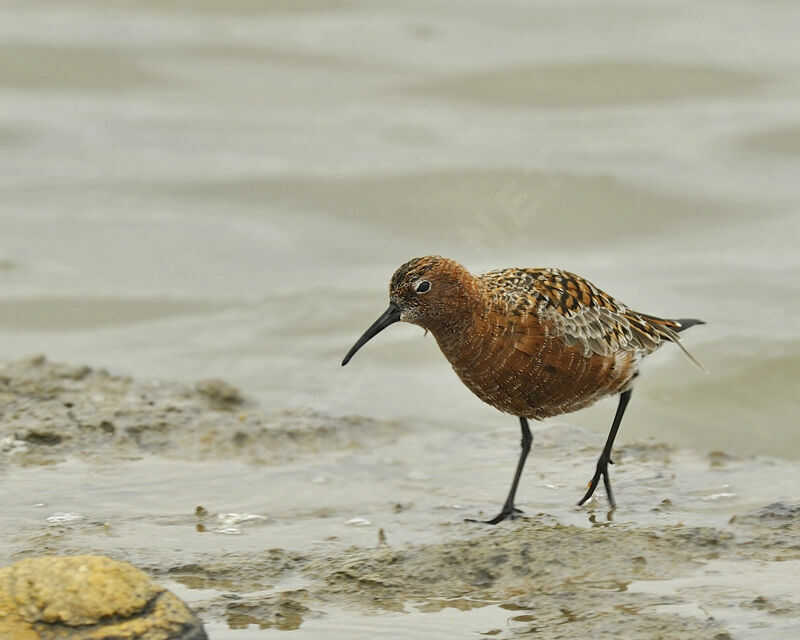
(533, 343)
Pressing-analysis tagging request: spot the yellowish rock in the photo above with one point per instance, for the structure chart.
(88, 598)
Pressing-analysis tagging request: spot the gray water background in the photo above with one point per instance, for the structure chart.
(224, 188)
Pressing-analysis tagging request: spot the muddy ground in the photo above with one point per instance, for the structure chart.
(664, 570)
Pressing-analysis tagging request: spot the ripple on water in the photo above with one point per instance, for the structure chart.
(593, 84)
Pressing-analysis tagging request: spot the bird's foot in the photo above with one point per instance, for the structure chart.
(601, 472)
(506, 513)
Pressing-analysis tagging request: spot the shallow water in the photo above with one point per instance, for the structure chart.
(223, 189)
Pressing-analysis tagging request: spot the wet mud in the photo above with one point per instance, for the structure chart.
(658, 572)
(51, 411)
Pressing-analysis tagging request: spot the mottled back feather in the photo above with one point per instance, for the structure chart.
(577, 311)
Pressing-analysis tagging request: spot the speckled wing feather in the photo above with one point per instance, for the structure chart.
(579, 312)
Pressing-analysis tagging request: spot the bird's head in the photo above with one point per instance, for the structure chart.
(429, 292)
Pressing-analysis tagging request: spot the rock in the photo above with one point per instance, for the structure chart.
(89, 597)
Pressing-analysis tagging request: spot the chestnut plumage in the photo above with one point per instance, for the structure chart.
(532, 343)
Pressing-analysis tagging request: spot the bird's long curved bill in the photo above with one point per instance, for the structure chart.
(390, 316)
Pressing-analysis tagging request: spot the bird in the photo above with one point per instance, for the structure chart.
(532, 343)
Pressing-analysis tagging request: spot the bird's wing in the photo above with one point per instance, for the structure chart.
(577, 311)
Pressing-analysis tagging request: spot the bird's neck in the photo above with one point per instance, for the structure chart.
(454, 330)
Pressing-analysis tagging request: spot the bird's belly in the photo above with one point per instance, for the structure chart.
(557, 379)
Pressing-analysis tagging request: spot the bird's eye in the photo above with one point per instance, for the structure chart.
(423, 286)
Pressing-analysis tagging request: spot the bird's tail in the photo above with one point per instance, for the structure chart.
(669, 330)
(685, 323)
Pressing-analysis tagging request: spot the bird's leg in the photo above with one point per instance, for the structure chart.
(508, 510)
(605, 456)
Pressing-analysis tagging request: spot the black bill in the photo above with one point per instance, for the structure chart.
(390, 316)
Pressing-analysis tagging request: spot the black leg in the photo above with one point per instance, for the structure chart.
(508, 509)
(605, 456)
